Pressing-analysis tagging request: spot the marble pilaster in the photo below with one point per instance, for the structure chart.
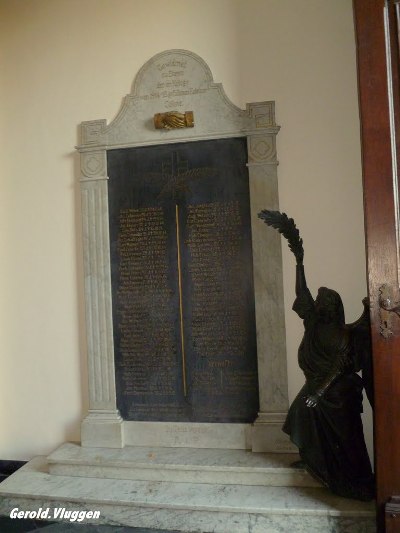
(103, 426)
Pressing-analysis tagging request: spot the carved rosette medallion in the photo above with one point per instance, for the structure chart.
(94, 164)
(262, 149)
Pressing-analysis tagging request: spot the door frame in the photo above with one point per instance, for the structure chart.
(378, 81)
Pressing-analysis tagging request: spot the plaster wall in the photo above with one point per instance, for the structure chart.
(65, 61)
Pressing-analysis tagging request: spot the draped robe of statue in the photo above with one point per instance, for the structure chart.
(324, 420)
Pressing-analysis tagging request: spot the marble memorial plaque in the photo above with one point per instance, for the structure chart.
(182, 282)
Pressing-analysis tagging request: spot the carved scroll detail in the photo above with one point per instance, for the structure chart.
(90, 131)
(263, 113)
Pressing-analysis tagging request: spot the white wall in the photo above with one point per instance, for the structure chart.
(65, 61)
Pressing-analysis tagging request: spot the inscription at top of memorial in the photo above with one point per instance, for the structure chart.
(171, 82)
(182, 282)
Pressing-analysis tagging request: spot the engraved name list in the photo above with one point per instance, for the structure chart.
(183, 297)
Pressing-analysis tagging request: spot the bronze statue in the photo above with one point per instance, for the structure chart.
(324, 420)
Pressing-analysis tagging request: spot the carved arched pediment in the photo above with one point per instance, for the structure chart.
(177, 80)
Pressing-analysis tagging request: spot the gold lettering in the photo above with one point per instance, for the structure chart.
(148, 359)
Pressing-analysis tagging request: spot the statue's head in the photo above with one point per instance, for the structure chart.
(329, 306)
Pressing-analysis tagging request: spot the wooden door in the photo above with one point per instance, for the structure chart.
(376, 25)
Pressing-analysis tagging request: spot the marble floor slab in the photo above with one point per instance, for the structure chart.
(191, 465)
(206, 457)
(188, 506)
(8, 525)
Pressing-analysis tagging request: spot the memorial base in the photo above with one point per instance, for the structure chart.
(103, 430)
(267, 434)
(220, 491)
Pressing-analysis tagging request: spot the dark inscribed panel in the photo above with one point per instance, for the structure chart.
(182, 282)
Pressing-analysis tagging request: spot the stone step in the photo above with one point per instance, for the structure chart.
(180, 465)
(190, 507)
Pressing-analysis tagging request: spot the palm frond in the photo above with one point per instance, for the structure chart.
(287, 228)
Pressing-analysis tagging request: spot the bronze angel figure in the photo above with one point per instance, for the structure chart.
(324, 420)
